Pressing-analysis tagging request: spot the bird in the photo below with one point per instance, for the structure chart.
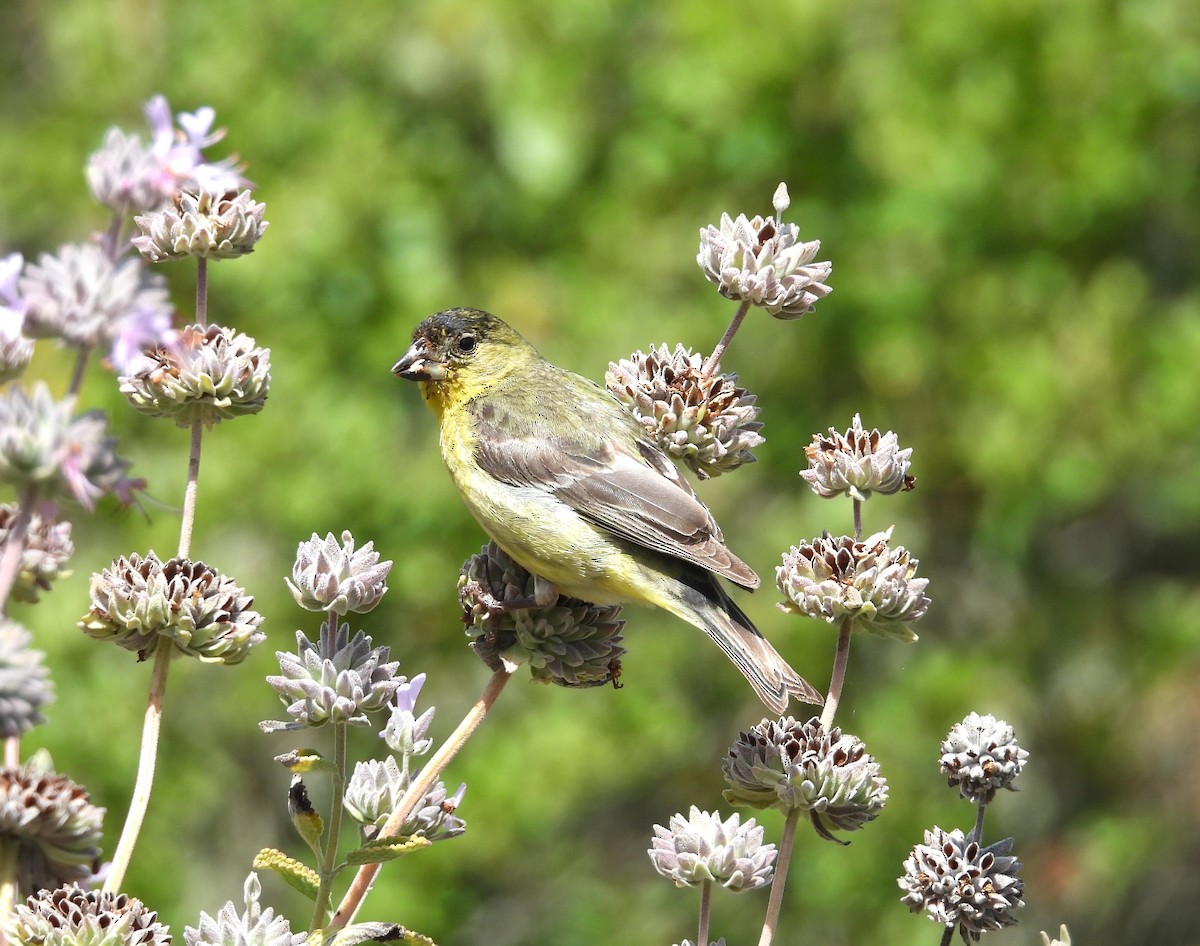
(573, 488)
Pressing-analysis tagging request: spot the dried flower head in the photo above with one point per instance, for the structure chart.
(203, 225)
(703, 848)
(254, 927)
(709, 423)
(405, 731)
(337, 678)
(761, 262)
(857, 463)
(376, 788)
(82, 298)
(792, 765)
(15, 348)
(44, 446)
(71, 916)
(208, 375)
(140, 602)
(25, 685)
(49, 828)
(47, 548)
(960, 884)
(131, 176)
(337, 578)
(981, 755)
(569, 642)
(871, 584)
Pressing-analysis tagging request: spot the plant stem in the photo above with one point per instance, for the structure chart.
(705, 910)
(77, 372)
(189, 494)
(838, 679)
(329, 862)
(857, 519)
(140, 801)
(714, 360)
(202, 292)
(976, 834)
(775, 904)
(14, 545)
(425, 779)
(948, 936)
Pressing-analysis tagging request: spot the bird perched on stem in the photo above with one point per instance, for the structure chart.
(569, 484)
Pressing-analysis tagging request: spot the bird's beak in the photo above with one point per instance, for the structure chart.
(419, 364)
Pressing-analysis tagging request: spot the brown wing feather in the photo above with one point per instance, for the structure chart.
(640, 498)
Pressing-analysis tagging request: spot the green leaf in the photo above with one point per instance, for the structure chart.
(379, 933)
(291, 871)
(381, 850)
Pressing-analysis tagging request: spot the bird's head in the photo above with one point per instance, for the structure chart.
(463, 349)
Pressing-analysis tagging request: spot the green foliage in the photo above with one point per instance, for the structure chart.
(1008, 192)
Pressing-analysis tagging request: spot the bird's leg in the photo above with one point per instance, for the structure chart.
(483, 601)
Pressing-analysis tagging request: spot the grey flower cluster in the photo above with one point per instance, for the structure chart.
(25, 685)
(47, 549)
(704, 848)
(793, 765)
(83, 298)
(253, 927)
(709, 423)
(337, 578)
(72, 916)
(762, 262)
(140, 602)
(981, 755)
(957, 883)
(15, 348)
(209, 374)
(339, 678)
(376, 788)
(46, 447)
(202, 225)
(857, 463)
(49, 825)
(868, 582)
(568, 642)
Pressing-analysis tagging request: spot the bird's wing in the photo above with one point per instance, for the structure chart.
(635, 493)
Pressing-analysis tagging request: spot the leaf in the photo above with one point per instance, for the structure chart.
(296, 875)
(357, 933)
(381, 850)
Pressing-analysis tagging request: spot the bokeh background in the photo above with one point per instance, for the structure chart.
(1008, 193)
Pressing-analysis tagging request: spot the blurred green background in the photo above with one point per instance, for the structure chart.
(1008, 193)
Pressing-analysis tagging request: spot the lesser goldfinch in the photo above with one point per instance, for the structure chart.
(568, 483)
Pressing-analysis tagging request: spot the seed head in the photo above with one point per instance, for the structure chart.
(857, 463)
(71, 916)
(25, 685)
(254, 927)
(337, 578)
(981, 755)
(702, 848)
(47, 549)
(202, 225)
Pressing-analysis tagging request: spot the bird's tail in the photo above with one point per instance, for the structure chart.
(709, 608)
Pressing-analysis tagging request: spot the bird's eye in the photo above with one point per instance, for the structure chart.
(466, 344)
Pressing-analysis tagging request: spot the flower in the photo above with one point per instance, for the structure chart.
(405, 732)
(140, 602)
(45, 448)
(703, 848)
(375, 790)
(980, 755)
(49, 828)
(206, 225)
(866, 582)
(339, 678)
(707, 422)
(254, 927)
(15, 348)
(792, 765)
(960, 884)
(47, 549)
(337, 579)
(210, 374)
(1063, 939)
(131, 176)
(857, 463)
(761, 262)
(71, 916)
(568, 641)
(25, 685)
(82, 298)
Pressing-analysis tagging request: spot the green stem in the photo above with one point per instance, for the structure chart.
(361, 885)
(188, 521)
(976, 834)
(838, 679)
(151, 727)
(329, 862)
(948, 936)
(714, 360)
(775, 904)
(705, 910)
